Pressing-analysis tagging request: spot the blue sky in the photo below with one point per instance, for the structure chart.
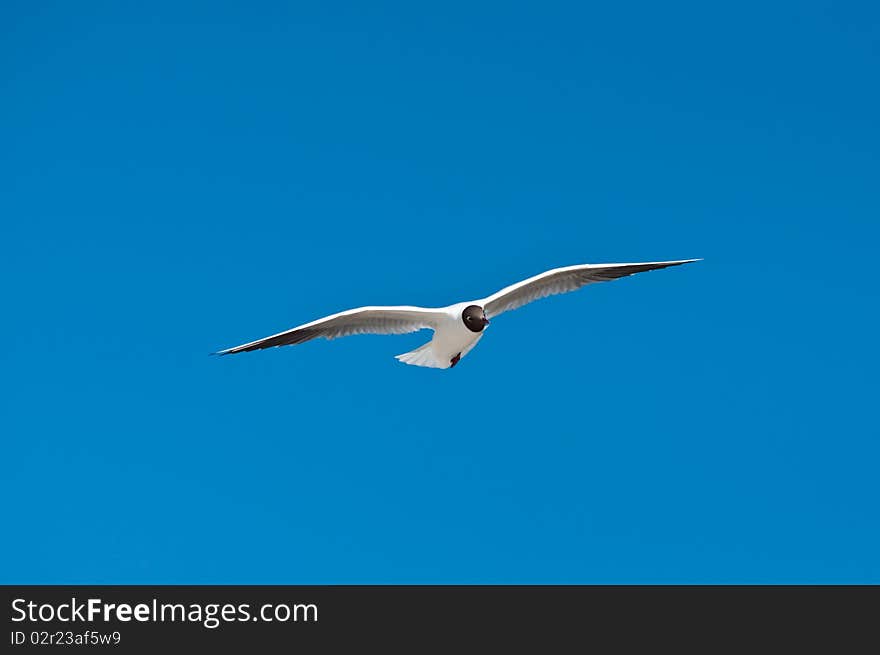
(178, 179)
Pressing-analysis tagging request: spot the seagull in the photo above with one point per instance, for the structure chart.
(457, 328)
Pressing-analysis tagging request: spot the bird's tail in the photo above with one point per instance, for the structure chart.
(422, 356)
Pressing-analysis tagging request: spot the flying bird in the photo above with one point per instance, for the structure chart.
(457, 328)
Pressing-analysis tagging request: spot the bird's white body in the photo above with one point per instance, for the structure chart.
(457, 328)
(451, 339)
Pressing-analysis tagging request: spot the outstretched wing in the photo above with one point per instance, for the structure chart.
(363, 320)
(562, 280)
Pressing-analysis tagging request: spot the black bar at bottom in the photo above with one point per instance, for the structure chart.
(419, 618)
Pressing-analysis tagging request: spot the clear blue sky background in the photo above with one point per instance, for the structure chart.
(178, 179)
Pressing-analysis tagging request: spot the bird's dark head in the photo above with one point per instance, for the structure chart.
(474, 318)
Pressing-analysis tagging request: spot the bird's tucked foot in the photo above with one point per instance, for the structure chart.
(454, 360)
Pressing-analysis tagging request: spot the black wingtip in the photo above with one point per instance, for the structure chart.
(680, 262)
